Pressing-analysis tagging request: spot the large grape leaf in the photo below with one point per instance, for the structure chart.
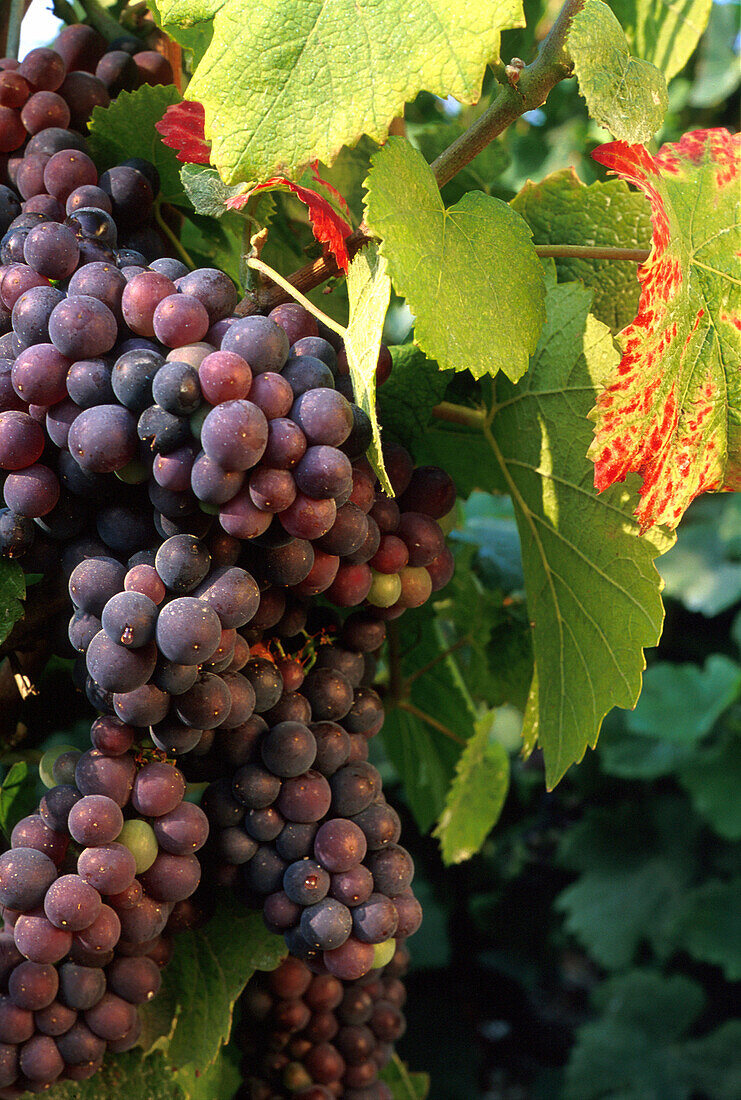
(12, 591)
(284, 84)
(664, 32)
(127, 1075)
(683, 702)
(126, 129)
(561, 209)
(592, 589)
(624, 94)
(476, 796)
(191, 1016)
(470, 273)
(672, 409)
(707, 925)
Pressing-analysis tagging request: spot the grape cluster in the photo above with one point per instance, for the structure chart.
(299, 822)
(201, 480)
(315, 1037)
(57, 89)
(91, 888)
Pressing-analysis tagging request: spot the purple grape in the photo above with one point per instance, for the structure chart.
(262, 343)
(109, 868)
(25, 876)
(158, 789)
(71, 903)
(97, 773)
(117, 668)
(82, 327)
(235, 435)
(188, 631)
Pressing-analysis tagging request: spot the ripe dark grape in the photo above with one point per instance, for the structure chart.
(111, 1017)
(95, 819)
(129, 619)
(182, 562)
(117, 668)
(25, 876)
(305, 882)
(206, 704)
(180, 319)
(264, 872)
(305, 373)
(172, 878)
(44, 110)
(32, 312)
(188, 631)
(33, 986)
(183, 830)
(262, 343)
(176, 388)
(330, 694)
(324, 416)
(39, 940)
(21, 440)
(71, 903)
(109, 868)
(286, 444)
(213, 289)
(305, 798)
(82, 327)
(235, 435)
(140, 299)
(354, 787)
(97, 773)
(131, 196)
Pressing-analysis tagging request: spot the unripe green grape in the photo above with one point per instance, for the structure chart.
(196, 420)
(139, 838)
(385, 589)
(46, 764)
(134, 473)
(383, 953)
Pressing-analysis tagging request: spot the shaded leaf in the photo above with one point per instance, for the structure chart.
(286, 84)
(561, 208)
(702, 570)
(592, 589)
(470, 274)
(126, 1075)
(713, 780)
(707, 925)
(624, 94)
(672, 409)
(476, 796)
(683, 702)
(369, 292)
(191, 1016)
(403, 1084)
(127, 129)
(12, 592)
(408, 396)
(17, 795)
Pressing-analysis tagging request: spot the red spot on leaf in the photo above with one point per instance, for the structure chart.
(182, 128)
(665, 413)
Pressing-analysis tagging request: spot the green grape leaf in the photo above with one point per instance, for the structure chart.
(369, 293)
(407, 397)
(284, 84)
(683, 702)
(126, 129)
(638, 1040)
(712, 780)
(128, 1075)
(469, 273)
(592, 589)
(191, 1017)
(476, 796)
(707, 925)
(664, 34)
(17, 795)
(206, 189)
(463, 453)
(672, 409)
(560, 208)
(195, 38)
(403, 1084)
(219, 1081)
(714, 1062)
(424, 733)
(12, 592)
(624, 94)
(212, 243)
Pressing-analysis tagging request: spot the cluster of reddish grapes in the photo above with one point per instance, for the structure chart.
(315, 1037)
(91, 888)
(58, 88)
(200, 479)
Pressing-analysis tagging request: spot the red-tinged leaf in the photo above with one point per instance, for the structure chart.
(314, 168)
(328, 226)
(672, 413)
(182, 128)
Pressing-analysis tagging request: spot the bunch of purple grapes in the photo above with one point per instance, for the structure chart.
(93, 886)
(315, 1037)
(299, 823)
(58, 88)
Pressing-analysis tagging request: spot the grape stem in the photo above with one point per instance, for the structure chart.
(460, 414)
(291, 290)
(172, 238)
(552, 65)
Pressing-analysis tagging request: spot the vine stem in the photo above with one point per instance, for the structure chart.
(460, 414)
(12, 20)
(590, 252)
(535, 82)
(172, 238)
(290, 289)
